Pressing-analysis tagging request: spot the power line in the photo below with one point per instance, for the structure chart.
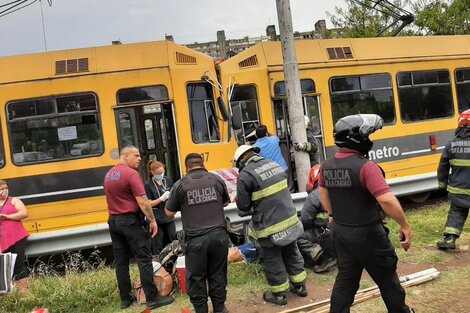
(10, 9)
(6, 4)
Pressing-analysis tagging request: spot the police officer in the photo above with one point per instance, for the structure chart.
(125, 196)
(350, 187)
(201, 197)
(262, 192)
(456, 156)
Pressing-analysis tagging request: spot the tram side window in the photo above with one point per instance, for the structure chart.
(245, 114)
(204, 124)
(54, 128)
(365, 94)
(425, 95)
(462, 78)
(306, 86)
(138, 94)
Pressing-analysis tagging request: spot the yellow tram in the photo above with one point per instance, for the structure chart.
(67, 113)
(418, 85)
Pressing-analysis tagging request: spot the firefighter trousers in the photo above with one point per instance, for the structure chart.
(281, 265)
(455, 220)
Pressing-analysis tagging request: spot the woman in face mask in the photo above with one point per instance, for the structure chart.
(158, 190)
(13, 235)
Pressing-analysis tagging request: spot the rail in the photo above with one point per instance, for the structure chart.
(98, 235)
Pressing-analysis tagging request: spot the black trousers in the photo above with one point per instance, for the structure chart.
(206, 264)
(368, 248)
(166, 234)
(131, 239)
(20, 270)
(455, 220)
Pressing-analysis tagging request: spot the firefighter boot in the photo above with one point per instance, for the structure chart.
(447, 243)
(326, 263)
(299, 289)
(275, 297)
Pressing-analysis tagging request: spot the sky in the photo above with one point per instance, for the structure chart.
(72, 24)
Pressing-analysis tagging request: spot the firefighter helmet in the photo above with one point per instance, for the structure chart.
(464, 119)
(353, 131)
(313, 174)
(241, 151)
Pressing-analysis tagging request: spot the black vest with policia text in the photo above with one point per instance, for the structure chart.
(351, 203)
(202, 202)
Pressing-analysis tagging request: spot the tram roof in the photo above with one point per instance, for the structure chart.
(103, 59)
(324, 51)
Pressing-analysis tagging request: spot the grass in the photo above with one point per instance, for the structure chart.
(90, 286)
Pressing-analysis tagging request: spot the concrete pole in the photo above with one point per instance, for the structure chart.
(293, 91)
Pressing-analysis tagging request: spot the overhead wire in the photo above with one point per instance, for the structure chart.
(389, 9)
(8, 11)
(6, 4)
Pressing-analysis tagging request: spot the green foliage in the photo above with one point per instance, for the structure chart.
(358, 21)
(448, 17)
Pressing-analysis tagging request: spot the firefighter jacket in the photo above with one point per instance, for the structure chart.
(456, 159)
(312, 146)
(262, 192)
(314, 218)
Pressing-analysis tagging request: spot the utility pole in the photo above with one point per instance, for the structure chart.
(293, 91)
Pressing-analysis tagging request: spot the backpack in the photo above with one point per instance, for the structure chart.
(162, 279)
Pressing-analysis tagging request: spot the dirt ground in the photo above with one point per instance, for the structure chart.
(317, 291)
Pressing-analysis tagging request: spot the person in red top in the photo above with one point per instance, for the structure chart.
(13, 235)
(355, 194)
(125, 195)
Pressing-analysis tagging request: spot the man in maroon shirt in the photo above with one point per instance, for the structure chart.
(350, 188)
(125, 195)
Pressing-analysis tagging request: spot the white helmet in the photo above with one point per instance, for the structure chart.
(241, 151)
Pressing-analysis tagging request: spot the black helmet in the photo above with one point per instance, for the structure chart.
(353, 131)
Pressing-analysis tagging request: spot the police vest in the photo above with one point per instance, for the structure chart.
(202, 205)
(352, 204)
(274, 210)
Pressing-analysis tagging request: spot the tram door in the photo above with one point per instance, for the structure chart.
(311, 109)
(151, 128)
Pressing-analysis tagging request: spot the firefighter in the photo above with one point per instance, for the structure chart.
(201, 197)
(456, 157)
(350, 187)
(316, 243)
(274, 227)
(310, 146)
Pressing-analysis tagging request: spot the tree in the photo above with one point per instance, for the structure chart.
(435, 17)
(363, 20)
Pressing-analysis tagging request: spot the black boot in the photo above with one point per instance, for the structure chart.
(223, 311)
(299, 289)
(447, 243)
(161, 301)
(276, 298)
(326, 263)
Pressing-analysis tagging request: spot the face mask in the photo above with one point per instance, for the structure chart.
(4, 194)
(159, 176)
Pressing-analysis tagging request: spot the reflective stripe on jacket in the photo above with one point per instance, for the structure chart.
(262, 191)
